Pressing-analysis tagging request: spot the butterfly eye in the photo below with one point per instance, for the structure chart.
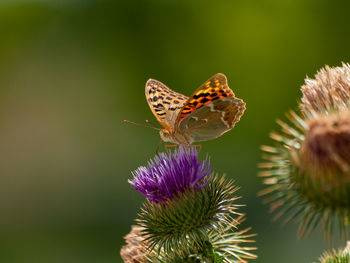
(165, 133)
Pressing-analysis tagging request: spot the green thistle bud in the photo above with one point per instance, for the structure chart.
(223, 246)
(308, 169)
(184, 221)
(342, 256)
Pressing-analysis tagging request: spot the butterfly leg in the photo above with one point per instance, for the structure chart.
(199, 146)
(167, 146)
(158, 146)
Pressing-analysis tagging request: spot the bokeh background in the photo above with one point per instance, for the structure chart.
(71, 71)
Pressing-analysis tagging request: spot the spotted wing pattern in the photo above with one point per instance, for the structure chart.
(214, 88)
(164, 103)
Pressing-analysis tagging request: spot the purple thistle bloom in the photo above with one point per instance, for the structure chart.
(168, 175)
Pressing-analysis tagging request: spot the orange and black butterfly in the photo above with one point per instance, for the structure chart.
(211, 111)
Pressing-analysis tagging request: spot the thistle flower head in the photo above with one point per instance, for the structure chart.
(189, 213)
(168, 175)
(308, 169)
(329, 91)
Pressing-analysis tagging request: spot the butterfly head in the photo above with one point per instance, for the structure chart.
(166, 136)
(175, 137)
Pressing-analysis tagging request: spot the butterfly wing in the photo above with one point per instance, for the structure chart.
(212, 110)
(213, 119)
(214, 88)
(164, 103)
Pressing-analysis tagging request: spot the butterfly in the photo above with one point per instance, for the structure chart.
(211, 111)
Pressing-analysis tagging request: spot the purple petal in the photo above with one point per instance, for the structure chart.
(169, 175)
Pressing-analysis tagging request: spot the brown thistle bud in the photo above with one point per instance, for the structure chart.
(324, 167)
(330, 90)
(308, 170)
(327, 142)
(135, 250)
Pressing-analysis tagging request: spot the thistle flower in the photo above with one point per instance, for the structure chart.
(308, 169)
(342, 256)
(169, 175)
(191, 214)
(329, 91)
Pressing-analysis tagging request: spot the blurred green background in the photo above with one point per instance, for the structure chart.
(71, 71)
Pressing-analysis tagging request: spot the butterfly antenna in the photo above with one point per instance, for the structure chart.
(138, 124)
(151, 124)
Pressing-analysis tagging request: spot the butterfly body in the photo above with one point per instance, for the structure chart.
(211, 111)
(175, 137)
